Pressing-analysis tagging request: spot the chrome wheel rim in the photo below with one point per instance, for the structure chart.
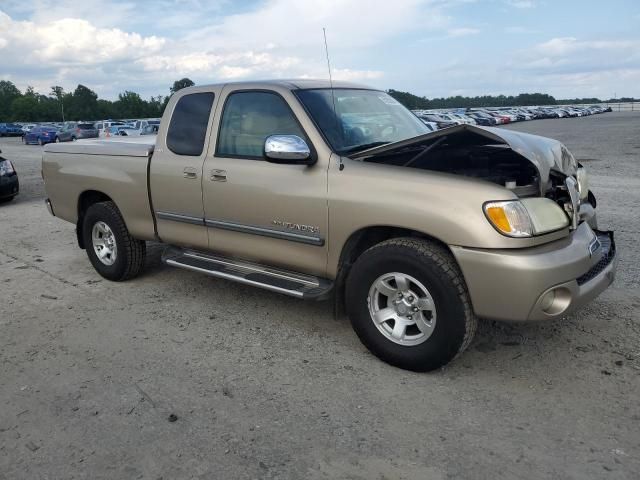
(402, 309)
(104, 243)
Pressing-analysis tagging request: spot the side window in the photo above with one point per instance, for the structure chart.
(249, 118)
(188, 126)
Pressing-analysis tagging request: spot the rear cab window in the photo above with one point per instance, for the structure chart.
(187, 130)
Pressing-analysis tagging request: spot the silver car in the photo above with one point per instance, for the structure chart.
(73, 131)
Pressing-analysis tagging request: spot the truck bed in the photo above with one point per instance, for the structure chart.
(116, 168)
(131, 147)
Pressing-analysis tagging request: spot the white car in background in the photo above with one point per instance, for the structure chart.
(105, 124)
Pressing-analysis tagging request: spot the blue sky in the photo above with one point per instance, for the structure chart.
(567, 48)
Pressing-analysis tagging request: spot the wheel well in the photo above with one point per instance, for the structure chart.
(87, 199)
(366, 238)
(362, 240)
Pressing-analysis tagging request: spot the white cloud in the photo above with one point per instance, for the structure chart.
(347, 74)
(70, 41)
(279, 38)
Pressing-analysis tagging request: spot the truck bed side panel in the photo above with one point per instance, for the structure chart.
(120, 177)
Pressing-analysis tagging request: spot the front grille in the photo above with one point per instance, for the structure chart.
(608, 252)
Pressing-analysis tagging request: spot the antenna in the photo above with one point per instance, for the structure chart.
(333, 96)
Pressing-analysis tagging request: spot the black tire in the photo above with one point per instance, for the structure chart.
(130, 252)
(433, 266)
(7, 199)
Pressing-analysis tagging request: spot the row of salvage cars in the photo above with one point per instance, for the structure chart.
(437, 119)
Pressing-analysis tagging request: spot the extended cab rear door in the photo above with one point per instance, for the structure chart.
(175, 176)
(266, 212)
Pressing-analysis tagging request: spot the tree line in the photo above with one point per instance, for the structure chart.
(415, 102)
(81, 104)
(84, 104)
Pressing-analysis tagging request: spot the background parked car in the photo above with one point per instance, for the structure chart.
(9, 185)
(105, 124)
(140, 124)
(26, 128)
(438, 120)
(41, 135)
(482, 118)
(73, 131)
(10, 130)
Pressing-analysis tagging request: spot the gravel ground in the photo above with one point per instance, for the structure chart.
(265, 386)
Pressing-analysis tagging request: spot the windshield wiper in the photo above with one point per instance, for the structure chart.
(366, 146)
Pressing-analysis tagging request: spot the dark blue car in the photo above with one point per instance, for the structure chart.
(10, 130)
(41, 135)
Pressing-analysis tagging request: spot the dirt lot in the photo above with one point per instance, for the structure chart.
(264, 386)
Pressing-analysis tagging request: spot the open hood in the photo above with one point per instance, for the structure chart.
(544, 153)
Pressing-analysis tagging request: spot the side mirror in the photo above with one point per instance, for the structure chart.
(287, 149)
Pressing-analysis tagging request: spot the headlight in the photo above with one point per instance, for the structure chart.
(526, 218)
(6, 168)
(583, 182)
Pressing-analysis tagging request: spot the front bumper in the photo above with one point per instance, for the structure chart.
(9, 186)
(539, 283)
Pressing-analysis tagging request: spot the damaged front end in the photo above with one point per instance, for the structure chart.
(527, 165)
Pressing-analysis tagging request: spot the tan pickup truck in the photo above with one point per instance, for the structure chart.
(313, 191)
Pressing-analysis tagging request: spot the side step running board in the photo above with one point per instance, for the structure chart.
(281, 281)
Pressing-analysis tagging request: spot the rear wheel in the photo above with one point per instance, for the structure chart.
(408, 303)
(113, 252)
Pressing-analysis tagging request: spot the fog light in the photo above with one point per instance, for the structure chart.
(547, 300)
(555, 301)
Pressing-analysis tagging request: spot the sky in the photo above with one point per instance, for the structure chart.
(432, 48)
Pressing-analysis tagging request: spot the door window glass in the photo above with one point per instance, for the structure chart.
(249, 118)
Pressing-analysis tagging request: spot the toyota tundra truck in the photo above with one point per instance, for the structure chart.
(317, 190)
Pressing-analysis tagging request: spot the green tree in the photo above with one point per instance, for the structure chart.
(410, 100)
(83, 104)
(58, 93)
(25, 108)
(130, 105)
(180, 84)
(8, 93)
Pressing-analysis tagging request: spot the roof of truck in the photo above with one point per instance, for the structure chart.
(293, 84)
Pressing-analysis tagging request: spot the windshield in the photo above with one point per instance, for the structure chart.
(363, 119)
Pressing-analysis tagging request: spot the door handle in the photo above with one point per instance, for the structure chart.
(218, 175)
(189, 172)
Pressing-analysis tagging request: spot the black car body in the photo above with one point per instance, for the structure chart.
(9, 185)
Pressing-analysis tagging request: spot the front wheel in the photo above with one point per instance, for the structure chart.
(113, 252)
(408, 303)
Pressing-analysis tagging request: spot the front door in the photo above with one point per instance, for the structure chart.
(270, 213)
